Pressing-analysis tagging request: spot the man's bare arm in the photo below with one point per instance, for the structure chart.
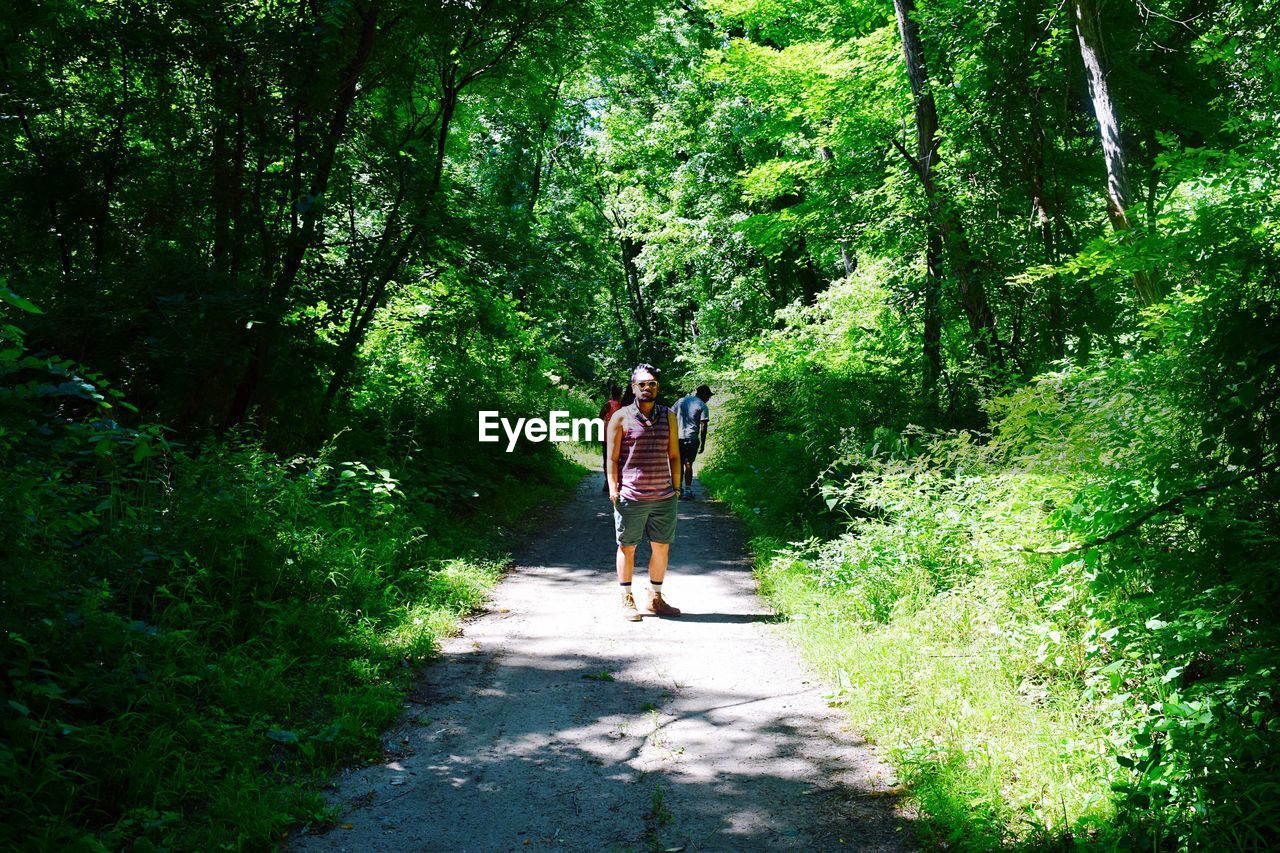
(673, 452)
(702, 434)
(614, 437)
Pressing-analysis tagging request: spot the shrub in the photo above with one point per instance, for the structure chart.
(194, 633)
(1062, 627)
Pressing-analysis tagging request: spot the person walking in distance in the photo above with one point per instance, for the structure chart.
(644, 477)
(606, 412)
(692, 416)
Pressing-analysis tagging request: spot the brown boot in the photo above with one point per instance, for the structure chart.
(629, 611)
(660, 607)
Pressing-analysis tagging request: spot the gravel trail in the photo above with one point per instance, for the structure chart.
(552, 722)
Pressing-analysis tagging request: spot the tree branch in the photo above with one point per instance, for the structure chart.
(915, 164)
(1147, 515)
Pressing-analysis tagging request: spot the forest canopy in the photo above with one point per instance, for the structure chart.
(988, 293)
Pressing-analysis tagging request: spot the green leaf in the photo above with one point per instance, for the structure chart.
(17, 301)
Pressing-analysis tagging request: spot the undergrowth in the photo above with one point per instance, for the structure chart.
(1060, 627)
(195, 636)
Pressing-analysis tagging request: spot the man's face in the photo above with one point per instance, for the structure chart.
(645, 385)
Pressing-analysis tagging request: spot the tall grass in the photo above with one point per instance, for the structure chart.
(1062, 629)
(194, 636)
(239, 626)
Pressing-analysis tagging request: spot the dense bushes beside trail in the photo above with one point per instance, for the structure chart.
(192, 626)
(194, 633)
(1063, 628)
(799, 391)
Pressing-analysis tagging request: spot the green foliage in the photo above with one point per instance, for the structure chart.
(194, 635)
(796, 392)
(199, 626)
(309, 243)
(246, 188)
(1063, 627)
(1056, 609)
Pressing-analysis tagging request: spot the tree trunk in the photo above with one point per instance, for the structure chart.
(535, 181)
(805, 271)
(540, 146)
(448, 105)
(932, 325)
(239, 154)
(850, 261)
(110, 172)
(220, 192)
(1118, 192)
(266, 245)
(973, 295)
(1043, 215)
(228, 161)
(628, 342)
(926, 111)
(630, 251)
(296, 251)
(362, 318)
(42, 162)
(301, 238)
(982, 321)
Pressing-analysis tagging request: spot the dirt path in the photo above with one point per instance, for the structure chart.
(553, 722)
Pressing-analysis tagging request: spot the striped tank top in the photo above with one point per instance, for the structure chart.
(644, 462)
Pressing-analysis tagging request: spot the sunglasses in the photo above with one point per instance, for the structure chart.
(650, 382)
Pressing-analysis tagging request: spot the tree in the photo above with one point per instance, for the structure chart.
(1089, 38)
(945, 218)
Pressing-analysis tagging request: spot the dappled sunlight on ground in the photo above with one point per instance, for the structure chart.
(552, 720)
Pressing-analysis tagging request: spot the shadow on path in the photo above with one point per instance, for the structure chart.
(553, 722)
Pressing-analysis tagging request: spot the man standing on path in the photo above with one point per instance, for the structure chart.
(692, 415)
(644, 476)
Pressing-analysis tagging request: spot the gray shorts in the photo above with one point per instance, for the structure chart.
(655, 520)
